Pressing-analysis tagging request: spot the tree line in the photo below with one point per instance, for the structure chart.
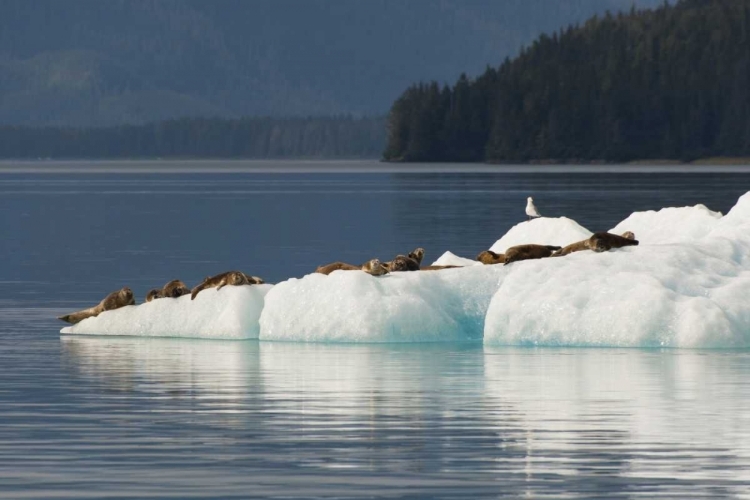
(328, 137)
(668, 83)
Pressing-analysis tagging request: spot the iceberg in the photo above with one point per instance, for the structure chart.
(229, 313)
(559, 231)
(685, 285)
(352, 306)
(689, 294)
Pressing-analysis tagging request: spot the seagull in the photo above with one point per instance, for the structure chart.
(531, 210)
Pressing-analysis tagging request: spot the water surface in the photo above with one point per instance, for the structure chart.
(91, 417)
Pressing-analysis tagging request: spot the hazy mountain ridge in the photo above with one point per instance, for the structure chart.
(260, 138)
(88, 62)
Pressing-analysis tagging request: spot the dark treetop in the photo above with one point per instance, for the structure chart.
(670, 83)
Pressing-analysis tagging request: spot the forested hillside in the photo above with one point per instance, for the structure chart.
(672, 83)
(109, 62)
(332, 137)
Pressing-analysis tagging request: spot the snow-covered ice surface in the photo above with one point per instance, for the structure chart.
(451, 259)
(689, 294)
(670, 225)
(686, 285)
(352, 306)
(229, 313)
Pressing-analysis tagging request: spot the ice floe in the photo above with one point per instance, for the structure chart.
(229, 313)
(685, 285)
(352, 306)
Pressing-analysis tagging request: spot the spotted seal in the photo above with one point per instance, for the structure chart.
(602, 241)
(372, 266)
(115, 300)
(488, 257)
(528, 252)
(254, 280)
(174, 289)
(154, 294)
(410, 262)
(233, 278)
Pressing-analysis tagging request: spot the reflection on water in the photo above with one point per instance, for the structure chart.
(659, 421)
(175, 368)
(129, 417)
(213, 418)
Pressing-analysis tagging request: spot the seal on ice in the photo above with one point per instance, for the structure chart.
(115, 300)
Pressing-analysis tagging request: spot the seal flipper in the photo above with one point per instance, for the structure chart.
(195, 291)
(79, 316)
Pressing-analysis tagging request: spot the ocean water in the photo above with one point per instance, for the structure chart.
(177, 418)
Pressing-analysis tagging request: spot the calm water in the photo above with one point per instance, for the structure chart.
(140, 418)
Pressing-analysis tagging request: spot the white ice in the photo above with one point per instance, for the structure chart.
(352, 306)
(670, 225)
(685, 285)
(229, 313)
(689, 294)
(451, 259)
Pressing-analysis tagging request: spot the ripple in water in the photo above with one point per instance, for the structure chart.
(218, 419)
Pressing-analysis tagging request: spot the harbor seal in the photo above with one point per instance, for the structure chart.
(233, 278)
(590, 243)
(573, 247)
(336, 266)
(153, 294)
(174, 289)
(410, 262)
(115, 300)
(602, 242)
(528, 252)
(254, 280)
(401, 263)
(488, 257)
(373, 267)
(417, 255)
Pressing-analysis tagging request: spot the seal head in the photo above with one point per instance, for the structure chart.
(374, 267)
(174, 289)
(153, 294)
(488, 257)
(417, 255)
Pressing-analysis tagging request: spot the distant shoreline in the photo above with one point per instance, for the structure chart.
(356, 166)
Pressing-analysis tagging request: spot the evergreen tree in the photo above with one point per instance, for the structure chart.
(670, 83)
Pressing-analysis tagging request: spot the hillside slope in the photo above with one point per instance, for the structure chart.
(670, 83)
(92, 62)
